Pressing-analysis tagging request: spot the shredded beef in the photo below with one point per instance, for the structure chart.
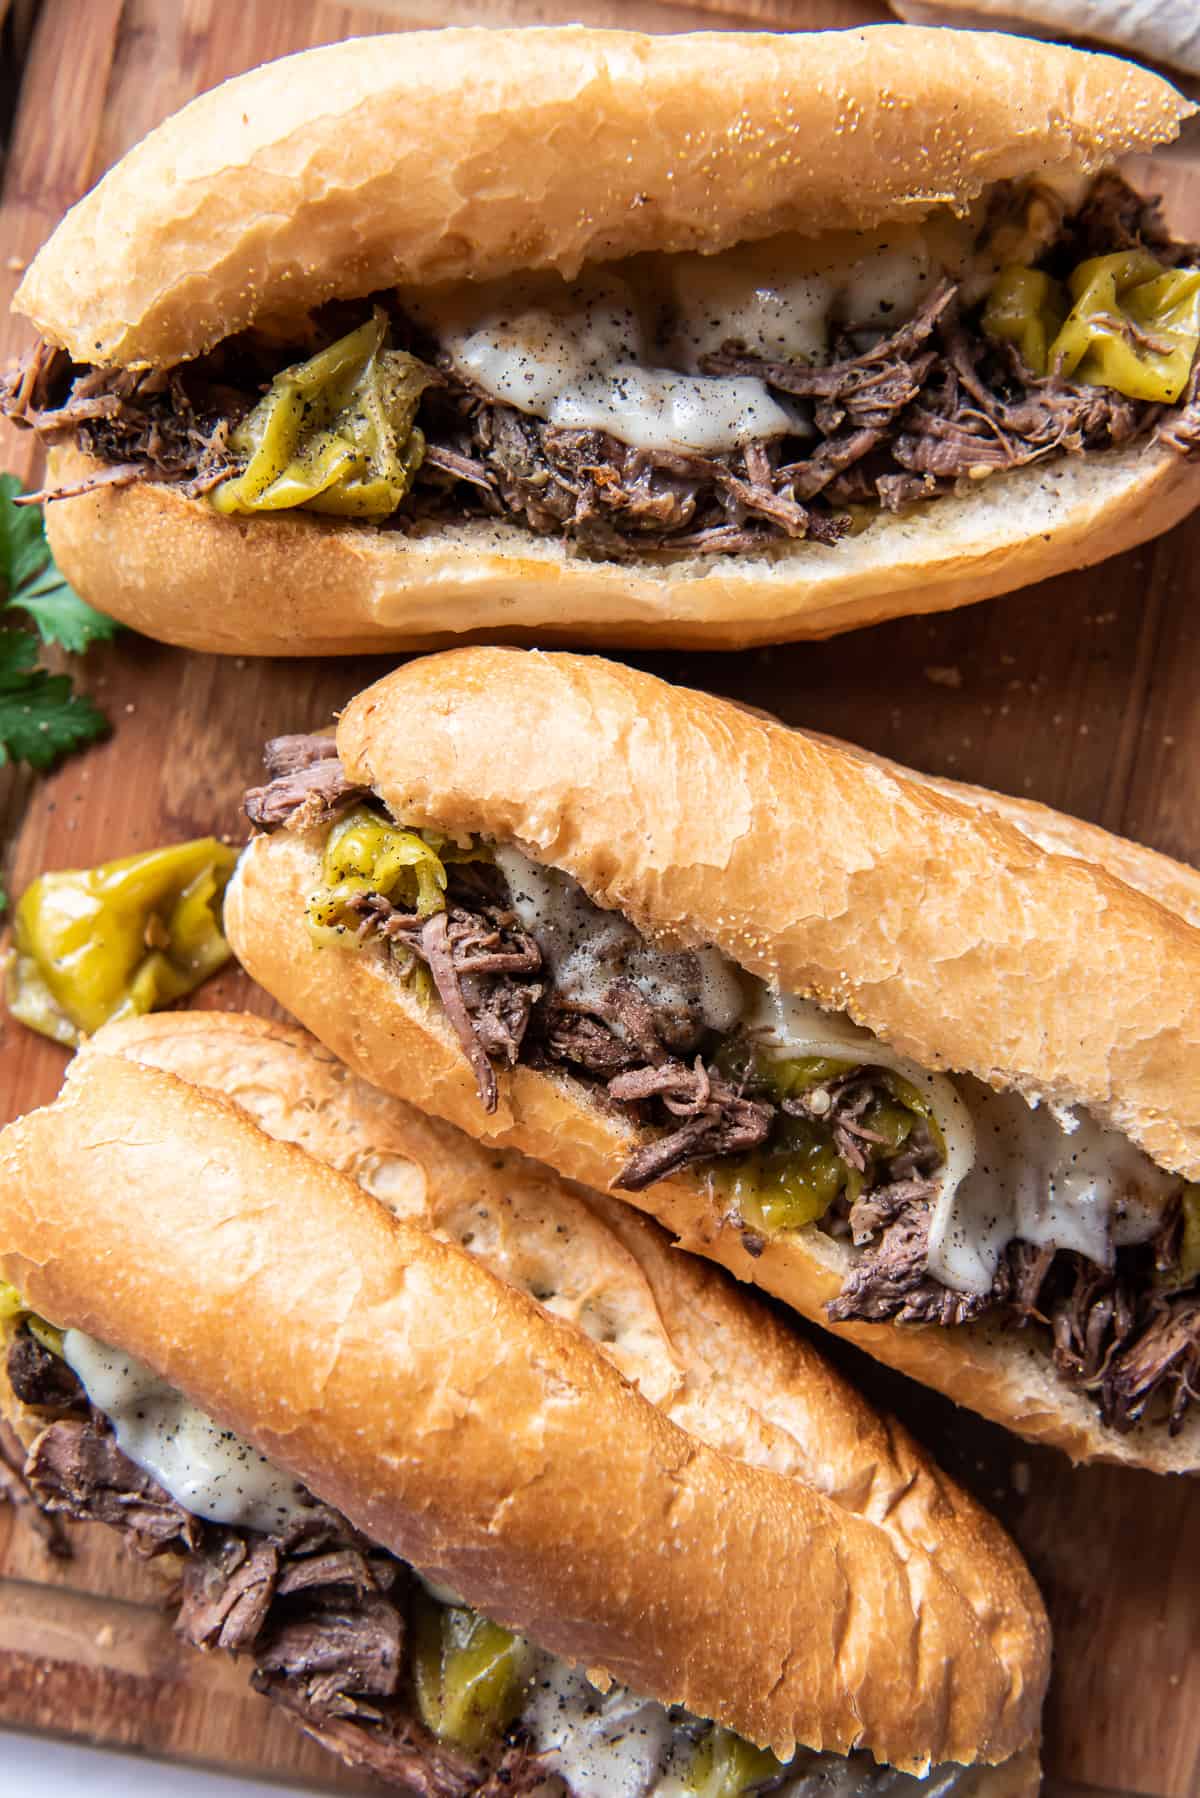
(890, 1282)
(586, 1043)
(399, 1750)
(483, 965)
(1117, 217)
(175, 423)
(77, 1470)
(881, 1205)
(336, 1658)
(226, 1592)
(39, 1378)
(307, 787)
(720, 1120)
(354, 1568)
(15, 1490)
(644, 1031)
(1114, 1332)
(898, 421)
(1164, 1358)
(294, 753)
(614, 500)
(1180, 426)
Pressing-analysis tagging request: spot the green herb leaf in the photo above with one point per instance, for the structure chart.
(33, 582)
(60, 615)
(41, 718)
(24, 551)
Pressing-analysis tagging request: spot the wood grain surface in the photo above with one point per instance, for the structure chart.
(1084, 692)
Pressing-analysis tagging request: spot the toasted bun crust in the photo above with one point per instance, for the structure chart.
(365, 1017)
(710, 1357)
(938, 926)
(459, 1424)
(1166, 32)
(897, 875)
(1175, 885)
(177, 570)
(270, 194)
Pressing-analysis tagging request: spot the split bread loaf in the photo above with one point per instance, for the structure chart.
(217, 1197)
(1168, 32)
(868, 919)
(590, 473)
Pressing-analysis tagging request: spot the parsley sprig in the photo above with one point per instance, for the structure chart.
(42, 717)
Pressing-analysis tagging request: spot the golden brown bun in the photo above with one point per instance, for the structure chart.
(1173, 884)
(939, 927)
(896, 875)
(460, 1425)
(332, 173)
(268, 195)
(1165, 32)
(712, 1358)
(299, 585)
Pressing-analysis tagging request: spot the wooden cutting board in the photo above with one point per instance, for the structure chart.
(1084, 692)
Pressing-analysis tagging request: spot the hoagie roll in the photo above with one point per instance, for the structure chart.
(461, 1504)
(918, 1060)
(708, 340)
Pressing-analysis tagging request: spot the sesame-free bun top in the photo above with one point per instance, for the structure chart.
(932, 921)
(460, 1424)
(334, 173)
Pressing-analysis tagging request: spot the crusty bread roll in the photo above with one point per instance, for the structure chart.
(290, 586)
(938, 924)
(1166, 31)
(466, 1428)
(1175, 885)
(267, 196)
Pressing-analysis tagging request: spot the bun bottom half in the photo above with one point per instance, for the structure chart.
(365, 1015)
(176, 570)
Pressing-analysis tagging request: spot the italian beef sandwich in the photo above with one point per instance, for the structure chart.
(919, 1060)
(451, 1451)
(711, 340)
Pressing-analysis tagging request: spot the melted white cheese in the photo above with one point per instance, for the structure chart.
(1010, 1171)
(579, 356)
(1056, 1179)
(786, 297)
(209, 1471)
(611, 1745)
(619, 349)
(587, 949)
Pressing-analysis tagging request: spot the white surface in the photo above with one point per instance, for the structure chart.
(62, 1770)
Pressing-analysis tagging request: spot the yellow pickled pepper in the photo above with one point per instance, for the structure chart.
(1123, 321)
(335, 434)
(97, 943)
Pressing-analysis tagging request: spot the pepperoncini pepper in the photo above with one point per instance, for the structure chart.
(468, 1675)
(794, 1178)
(1123, 321)
(1187, 1267)
(119, 940)
(14, 1310)
(1134, 326)
(335, 434)
(1026, 308)
(725, 1765)
(365, 854)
